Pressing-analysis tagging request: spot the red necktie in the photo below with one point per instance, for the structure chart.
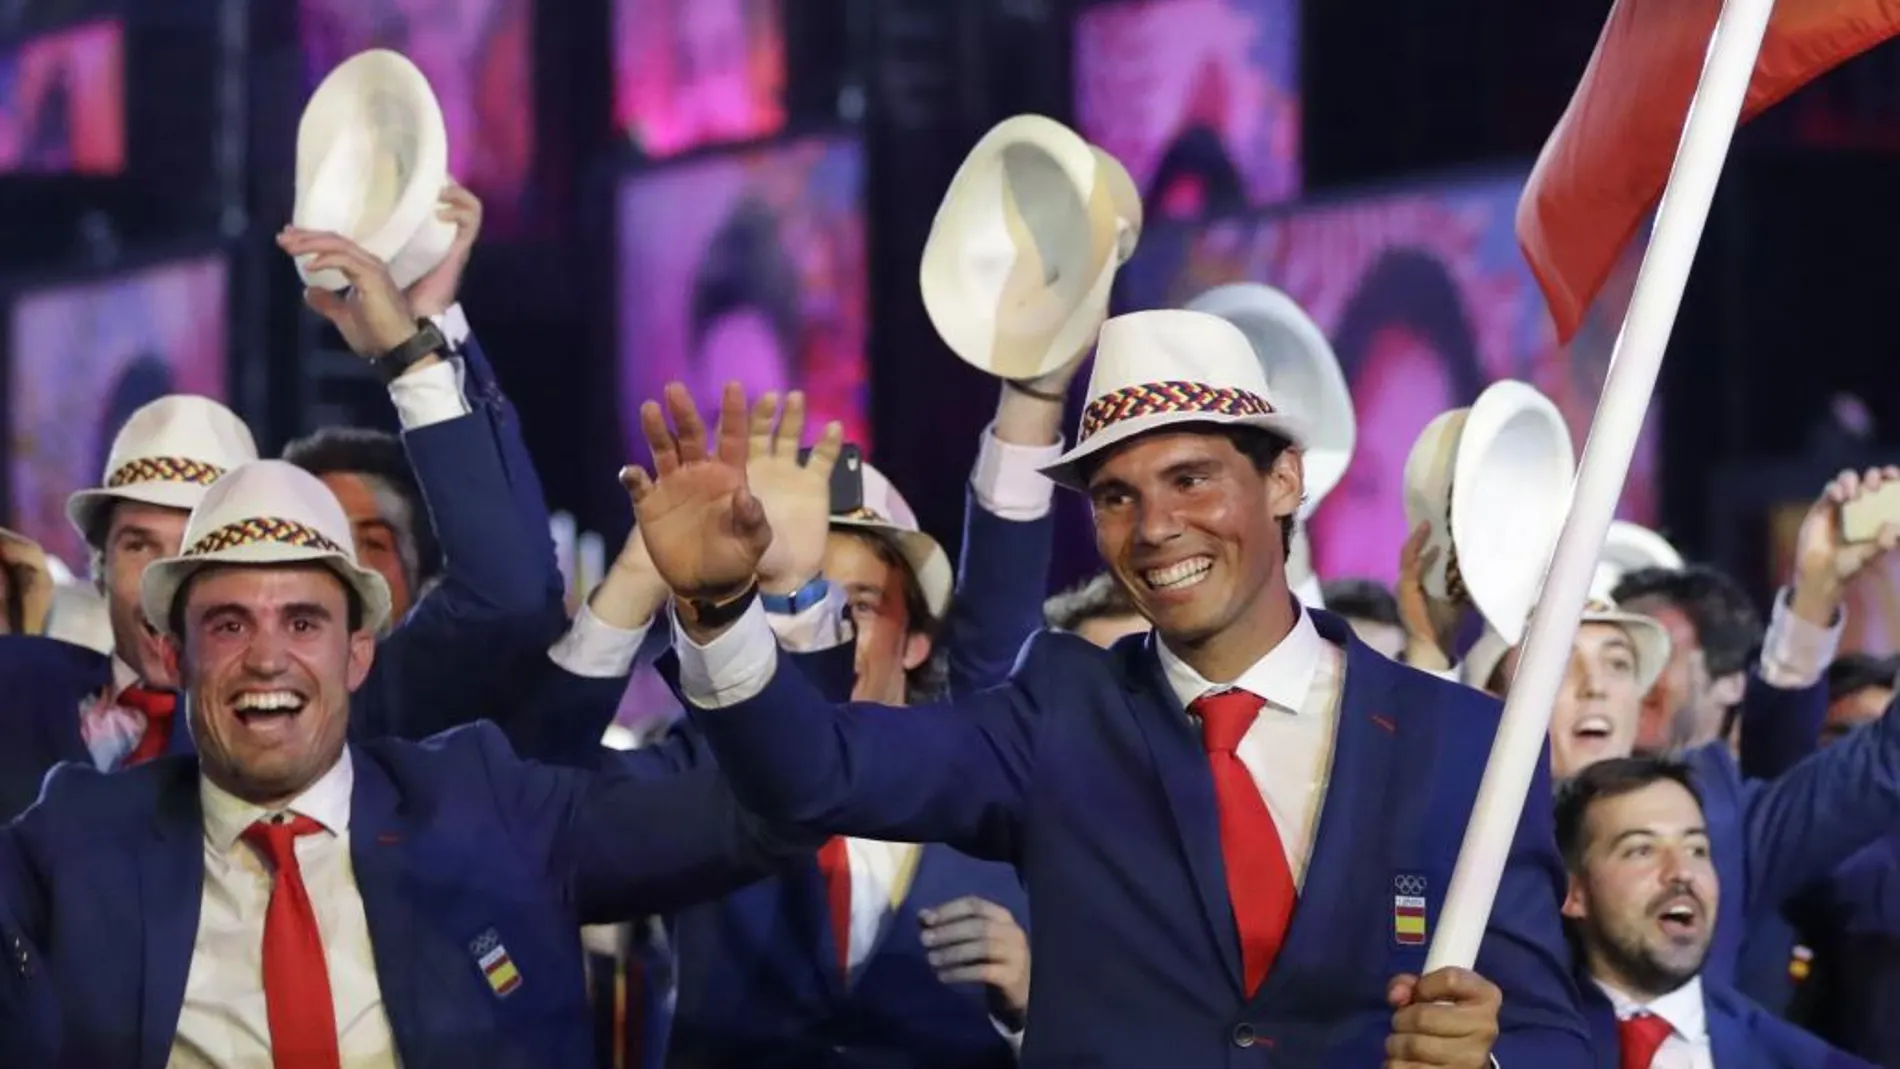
(834, 863)
(158, 707)
(1641, 1037)
(296, 979)
(1259, 883)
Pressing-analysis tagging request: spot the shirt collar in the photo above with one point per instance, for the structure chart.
(1682, 1008)
(1283, 677)
(327, 802)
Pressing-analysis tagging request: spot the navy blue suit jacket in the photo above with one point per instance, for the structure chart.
(450, 838)
(1083, 771)
(1773, 838)
(499, 599)
(1741, 1034)
(758, 982)
(1852, 919)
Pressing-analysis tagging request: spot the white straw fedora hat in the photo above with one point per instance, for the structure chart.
(261, 513)
(1626, 548)
(1170, 366)
(1021, 257)
(168, 453)
(78, 616)
(886, 513)
(1493, 480)
(1302, 372)
(372, 161)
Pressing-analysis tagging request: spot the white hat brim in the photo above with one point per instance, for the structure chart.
(84, 507)
(159, 586)
(1066, 470)
(927, 560)
(1647, 635)
(1312, 384)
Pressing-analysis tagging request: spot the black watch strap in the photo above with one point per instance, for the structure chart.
(427, 339)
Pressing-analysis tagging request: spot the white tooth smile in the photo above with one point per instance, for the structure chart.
(268, 701)
(1179, 576)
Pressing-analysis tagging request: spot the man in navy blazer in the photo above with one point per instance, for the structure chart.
(500, 591)
(1263, 894)
(1642, 905)
(283, 895)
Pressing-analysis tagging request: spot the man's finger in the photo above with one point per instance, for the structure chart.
(991, 973)
(732, 426)
(1439, 1019)
(1460, 986)
(967, 906)
(764, 414)
(961, 930)
(666, 457)
(690, 429)
(1407, 1049)
(1399, 991)
(964, 953)
(638, 486)
(791, 425)
(824, 454)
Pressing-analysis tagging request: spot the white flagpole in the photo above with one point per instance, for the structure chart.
(1631, 381)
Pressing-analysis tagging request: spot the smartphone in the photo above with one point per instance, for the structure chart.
(847, 479)
(1862, 517)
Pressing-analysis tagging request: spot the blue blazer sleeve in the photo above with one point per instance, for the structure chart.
(29, 1007)
(627, 845)
(1524, 950)
(499, 598)
(1001, 581)
(1779, 726)
(953, 772)
(1802, 824)
(486, 397)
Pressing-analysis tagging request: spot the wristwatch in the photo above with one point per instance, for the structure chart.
(798, 600)
(426, 340)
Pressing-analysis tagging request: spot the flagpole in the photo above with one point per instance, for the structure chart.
(1713, 114)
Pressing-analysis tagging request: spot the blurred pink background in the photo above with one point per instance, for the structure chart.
(62, 102)
(692, 73)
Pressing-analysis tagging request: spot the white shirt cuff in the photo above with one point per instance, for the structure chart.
(1795, 653)
(818, 627)
(595, 649)
(1008, 478)
(430, 395)
(732, 668)
(453, 324)
(1011, 1036)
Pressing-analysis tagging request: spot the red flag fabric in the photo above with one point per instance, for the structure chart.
(1608, 159)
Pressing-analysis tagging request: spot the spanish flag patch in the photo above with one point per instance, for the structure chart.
(497, 967)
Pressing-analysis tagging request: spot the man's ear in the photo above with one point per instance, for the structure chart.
(1286, 482)
(1576, 900)
(362, 655)
(170, 657)
(917, 649)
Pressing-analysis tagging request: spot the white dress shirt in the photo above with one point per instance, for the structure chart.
(1688, 1044)
(224, 1023)
(1289, 749)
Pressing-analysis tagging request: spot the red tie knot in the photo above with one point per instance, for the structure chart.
(1641, 1037)
(1225, 717)
(273, 837)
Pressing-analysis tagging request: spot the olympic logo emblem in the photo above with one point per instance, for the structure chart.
(1410, 886)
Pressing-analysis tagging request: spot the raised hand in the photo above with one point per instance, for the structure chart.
(1417, 614)
(372, 315)
(796, 496)
(433, 293)
(704, 531)
(1824, 560)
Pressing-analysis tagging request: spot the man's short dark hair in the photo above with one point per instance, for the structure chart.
(1259, 445)
(1604, 780)
(1726, 623)
(1361, 599)
(1854, 672)
(1098, 598)
(380, 456)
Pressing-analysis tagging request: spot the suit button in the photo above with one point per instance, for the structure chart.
(1243, 1035)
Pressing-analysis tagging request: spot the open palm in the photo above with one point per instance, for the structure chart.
(795, 491)
(702, 526)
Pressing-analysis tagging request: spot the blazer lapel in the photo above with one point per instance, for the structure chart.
(1728, 1042)
(1181, 765)
(171, 893)
(380, 845)
(1352, 822)
(809, 900)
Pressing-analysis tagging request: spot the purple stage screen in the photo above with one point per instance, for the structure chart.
(1426, 299)
(62, 102)
(1200, 99)
(747, 266)
(82, 357)
(693, 73)
(477, 55)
